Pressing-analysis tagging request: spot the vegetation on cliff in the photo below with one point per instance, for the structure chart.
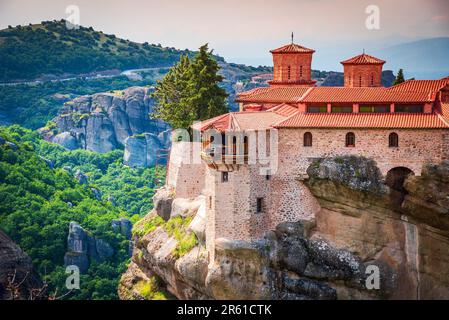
(40, 196)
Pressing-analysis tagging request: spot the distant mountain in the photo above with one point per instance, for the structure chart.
(50, 48)
(423, 59)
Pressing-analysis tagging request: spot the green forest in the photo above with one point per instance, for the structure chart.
(53, 49)
(39, 202)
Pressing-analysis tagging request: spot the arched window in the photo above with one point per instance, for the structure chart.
(360, 80)
(288, 72)
(300, 71)
(350, 81)
(393, 140)
(307, 139)
(350, 139)
(245, 145)
(372, 80)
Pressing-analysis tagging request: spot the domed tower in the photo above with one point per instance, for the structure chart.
(292, 65)
(363, 71)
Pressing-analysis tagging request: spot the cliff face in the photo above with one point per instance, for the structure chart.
(18, 279)
(106, 121)
(369, 241)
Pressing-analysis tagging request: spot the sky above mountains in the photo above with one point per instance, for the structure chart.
(244, 31)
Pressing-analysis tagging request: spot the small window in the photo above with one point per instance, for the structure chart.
(372, 80)
(224, 177)
(342, 109)
(300, 71)
(317, 109)
(307, 139)
(210, 202)
(350, 81)
(267, 177)
(360, 81)
(408, 108)
(350, 139)
(374, 109)
(259, 205)
(288, 72)
(393, 140)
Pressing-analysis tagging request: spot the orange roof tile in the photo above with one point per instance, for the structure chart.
(363, 120)
(363, 95)
(292, 48)
(273, 94)
(284, 109)
(241, 121)
(421, 85)
(363, 59)
(445, 112)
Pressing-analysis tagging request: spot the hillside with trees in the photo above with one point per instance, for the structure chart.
(40, 197)
(50, 48)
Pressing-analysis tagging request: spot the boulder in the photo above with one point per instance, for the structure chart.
(162, 201)
(141, 150)
(80, 177)
(67, 140)
(97, 193)
(123, 226)
(185, 207)
(198, 224)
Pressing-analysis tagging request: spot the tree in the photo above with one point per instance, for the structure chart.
(207, 98)
(190, 91)
(399, 77)
(171, 96)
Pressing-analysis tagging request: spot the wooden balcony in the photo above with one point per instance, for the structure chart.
(227, 160)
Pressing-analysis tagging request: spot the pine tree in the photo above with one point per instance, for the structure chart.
(399, 77)
(172, 96)
(207, 98)
(190, 91)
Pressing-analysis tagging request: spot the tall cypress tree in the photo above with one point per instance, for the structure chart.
(399, 77)
(172, 97)
(206, 96)
(190, 91)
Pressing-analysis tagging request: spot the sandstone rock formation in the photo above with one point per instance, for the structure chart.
(18, 279)
(363, 227)
(106, 121)
(83, 248)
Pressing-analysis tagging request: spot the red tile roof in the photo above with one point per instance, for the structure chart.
(292, 48)
(364, 120)
(241, 121)
(363, 95)
(363, 59)
(285, 94)
(284, 109)
(421, 85)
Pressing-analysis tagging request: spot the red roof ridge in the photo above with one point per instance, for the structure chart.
(363, 59)
(292, 48)
(306, 94)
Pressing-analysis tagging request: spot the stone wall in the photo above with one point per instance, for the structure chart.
(186, 174)
(416, 147)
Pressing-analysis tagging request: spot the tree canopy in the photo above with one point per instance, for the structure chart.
(399, 77)
(190, 91)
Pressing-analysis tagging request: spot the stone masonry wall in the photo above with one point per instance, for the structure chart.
(416, 147)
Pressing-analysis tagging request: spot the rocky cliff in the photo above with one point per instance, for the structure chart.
(18, 279)
(106, 121)
(371, 240)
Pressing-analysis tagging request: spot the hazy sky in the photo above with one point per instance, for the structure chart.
(244, 30)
